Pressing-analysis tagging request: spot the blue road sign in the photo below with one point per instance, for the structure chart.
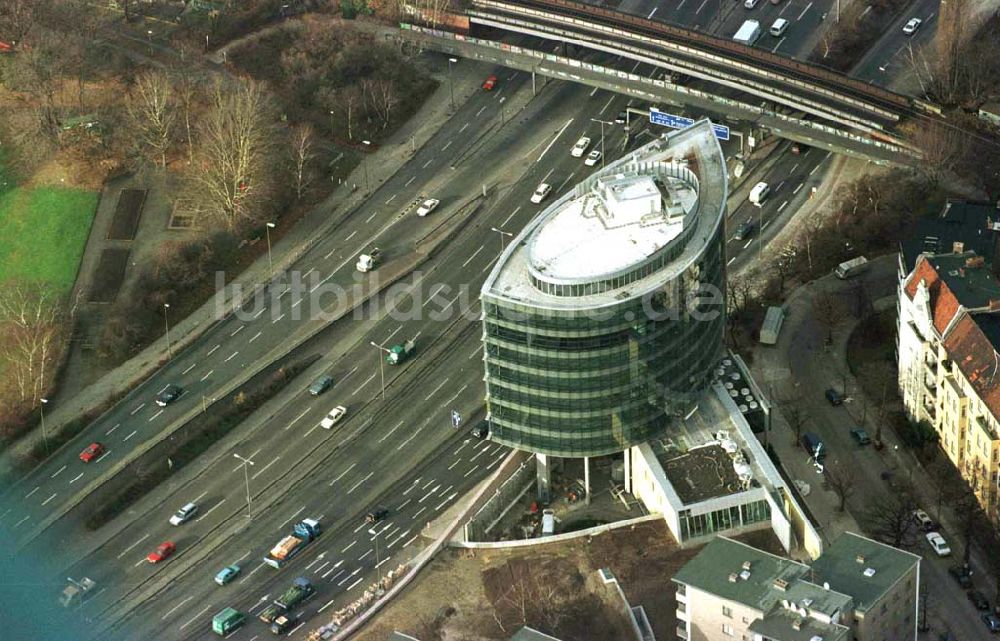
(674, 121)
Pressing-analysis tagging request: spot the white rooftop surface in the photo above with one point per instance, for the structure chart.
(620, 222)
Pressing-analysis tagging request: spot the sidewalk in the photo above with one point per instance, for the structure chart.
(313, 227)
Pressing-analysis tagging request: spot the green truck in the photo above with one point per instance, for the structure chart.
(399, 353)
(300, 591)
(228, 620)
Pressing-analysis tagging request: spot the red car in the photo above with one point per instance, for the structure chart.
(162, 551)
(491, 81)
(91, 452)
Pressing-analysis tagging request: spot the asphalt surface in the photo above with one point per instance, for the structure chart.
(895, 53)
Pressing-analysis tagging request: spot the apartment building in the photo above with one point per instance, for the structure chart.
(857, 590)
(948, 342)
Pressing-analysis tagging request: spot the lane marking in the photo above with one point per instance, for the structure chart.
(190, 367)
(58, 472)
(241, 327)
(264, 469)
(192, 619)
(256, 336)
(137, 409)
(507, 220)
(154, 416)
(212, 509)
(391, 198)
(358, 484)
(341, 475)
(559, 133)
(277, 319)
(130, 435)
(464, 127)
(808, 6)
(445, 148)
(476, 253)
(133, 546)
(231, 356)
(796, 190)
(210, 372)
(296, 419)
(782, 206)
(112, 429)
(412, 178)
(651, 13)
(46, 501)
(212, 351)
(76, 478)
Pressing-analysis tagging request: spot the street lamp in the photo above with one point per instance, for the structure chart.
(166, 328)
(364, 161)
(246, 474)
(381, 364)
(502, 234)
(267, 232)
(378, 562)
(603, 122)
(451, 83)
(45, 438)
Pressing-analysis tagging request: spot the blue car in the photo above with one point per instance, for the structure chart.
(227, 574)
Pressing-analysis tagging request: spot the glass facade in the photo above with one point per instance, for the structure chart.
(581, 381)
(723, 520)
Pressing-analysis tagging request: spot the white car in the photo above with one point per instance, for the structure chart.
(428, 206)
(923, 520)
(184, 514)
(580, 147)
(540, 193)
(912, 25)
(333, 417)
(938, 543)
(593, 158)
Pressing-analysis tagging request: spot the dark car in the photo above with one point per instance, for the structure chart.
(814, 445)
(834, 397)
(482, 430)
(283, 623)
(169, 394)
(377, 515)
(320, 385)
(992, 622)
(744, 230)
(860, 436)
(961, 574)
(979, 600)
(621, 117)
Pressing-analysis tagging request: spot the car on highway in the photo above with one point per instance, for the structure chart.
(622, 117)
(923, 520)
(162, 552)
(759, 193)
(912, 25)
(744, 230)
(540, 193)
(92, 452)
(482, 430)
(580, 148)
(860, 436)
(320, 385)
(938, 544)
(333, 417)
(227, 574)
(962, 574)
(489, 83)
(376, 515)
(834, 397)
(184, 514)
(169, 394)
(978, 599)
(428, 206)
(593, 158)
(284, 623)
(992, 622)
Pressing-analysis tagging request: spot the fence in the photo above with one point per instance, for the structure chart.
(506, 496)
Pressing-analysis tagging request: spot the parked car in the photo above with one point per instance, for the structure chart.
(490, 83)
(962, 574)
(593, 158)
(860, 436)
(814, 445)
(184, 514)
(912, 25)
(333, 417)
(540, 193)
(992, 622)
(923, 520)
(92, 452)
(320, 385)
(938, 544)
(979, 600)
(169, 394)
(227, 574)
(580, 147)
(162, 552)
(744, 230)
(376, 515)
(428, 206)
(834, 397)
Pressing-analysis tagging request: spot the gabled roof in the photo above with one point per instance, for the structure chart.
(973, 345)
(943, 303)
(954, 281)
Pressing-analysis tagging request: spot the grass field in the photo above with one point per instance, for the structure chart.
(44, 231)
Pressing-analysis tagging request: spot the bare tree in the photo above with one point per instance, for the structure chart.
(233, 178)
(795, 418)
(32, 329)
(17, 17)
(152, 113)
(841, 481)
(890, 517)
(186, 93)
(302, 157)
(829, 313)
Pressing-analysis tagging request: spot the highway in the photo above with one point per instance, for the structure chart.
(890, 59)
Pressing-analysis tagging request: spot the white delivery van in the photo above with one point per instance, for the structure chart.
(759, 193)
(779, 27)
(748, 33)
(851, 267)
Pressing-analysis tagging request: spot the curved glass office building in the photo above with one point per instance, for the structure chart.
(603, 319)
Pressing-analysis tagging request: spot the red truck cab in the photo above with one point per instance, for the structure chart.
(490, 83)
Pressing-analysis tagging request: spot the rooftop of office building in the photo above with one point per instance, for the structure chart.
(863, 568)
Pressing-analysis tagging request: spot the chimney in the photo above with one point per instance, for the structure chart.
(957, 247)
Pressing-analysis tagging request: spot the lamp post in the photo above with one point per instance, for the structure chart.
(166, 328)
(246, 474)
(451, 83)
(502, 234)
(381, 364)
(45, 438)
(267, 232)
(378, 562)
(603, 122)
(364, 161)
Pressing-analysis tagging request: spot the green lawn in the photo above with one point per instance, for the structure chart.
(44, 232)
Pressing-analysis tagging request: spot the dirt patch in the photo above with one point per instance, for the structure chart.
(127, 211)
(109, 275)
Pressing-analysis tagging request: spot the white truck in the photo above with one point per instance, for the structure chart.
(851, 267)
(367, 262)
(748, 33)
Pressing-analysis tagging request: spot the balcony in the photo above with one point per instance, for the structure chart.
(682, 632)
